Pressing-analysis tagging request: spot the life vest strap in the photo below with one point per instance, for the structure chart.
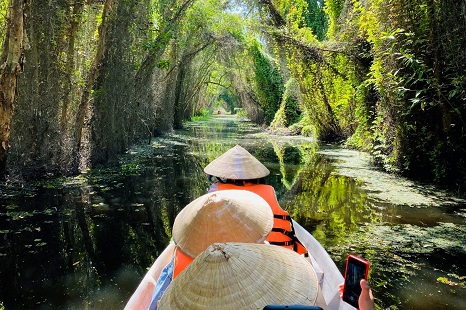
(284, 231)
(283, 243)
(292, 235)
(298, 246)
(282, 217)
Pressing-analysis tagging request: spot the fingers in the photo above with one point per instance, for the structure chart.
(366, 300)
(366, 290)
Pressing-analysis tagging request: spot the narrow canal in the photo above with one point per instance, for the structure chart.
(85, 243)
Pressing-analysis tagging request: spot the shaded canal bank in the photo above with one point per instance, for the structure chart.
(86, 242)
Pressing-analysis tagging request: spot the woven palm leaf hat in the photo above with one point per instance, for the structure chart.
(237, 164)
(222, 216)
(232, 276)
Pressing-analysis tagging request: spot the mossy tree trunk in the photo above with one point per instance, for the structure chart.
(85, 103)
(11, 64)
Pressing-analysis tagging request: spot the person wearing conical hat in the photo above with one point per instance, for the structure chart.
(238, 169)
(231, 276)
(222, 216)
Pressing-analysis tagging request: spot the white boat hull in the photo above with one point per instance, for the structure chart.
(329, 275)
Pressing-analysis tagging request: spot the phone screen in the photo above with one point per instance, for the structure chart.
(356, 270)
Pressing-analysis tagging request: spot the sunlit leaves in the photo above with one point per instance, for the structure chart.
(3, 16)
(333, 9)
(316, 18)
(269, 84)
(211, 16)
(289, 112)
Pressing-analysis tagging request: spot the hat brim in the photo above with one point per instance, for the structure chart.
(235, 276)
(222, 216)
(237, 164)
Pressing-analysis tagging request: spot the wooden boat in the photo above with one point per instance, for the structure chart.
(327, 272)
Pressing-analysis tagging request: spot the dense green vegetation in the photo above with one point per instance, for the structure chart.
(92, 78)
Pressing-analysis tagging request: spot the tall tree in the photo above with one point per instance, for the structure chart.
(93, 75)
(11, 63)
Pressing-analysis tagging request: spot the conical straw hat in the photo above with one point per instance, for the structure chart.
(237, 164)
(222, 216)
(232, 276)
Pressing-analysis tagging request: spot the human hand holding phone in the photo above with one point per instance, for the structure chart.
(356, 270)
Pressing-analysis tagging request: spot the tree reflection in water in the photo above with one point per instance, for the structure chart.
(87, 242)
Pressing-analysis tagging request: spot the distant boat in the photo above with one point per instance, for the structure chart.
(329, 275)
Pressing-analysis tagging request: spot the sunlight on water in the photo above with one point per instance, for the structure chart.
(383, 186)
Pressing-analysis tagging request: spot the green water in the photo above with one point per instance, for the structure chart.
(86, 242)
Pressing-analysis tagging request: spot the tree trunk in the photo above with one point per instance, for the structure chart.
(11, 63)
(93, 75)
(178, 118)
(73, 28)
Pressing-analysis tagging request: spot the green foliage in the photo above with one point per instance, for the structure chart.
(417, 73)
(383, 141)
(204, 114)
(164, 64)
(333, 9)
(292, 112)
(279, 120)
(361, 138)
(241, 112)
(228, 100)
(289, 111)
(391, 79)
(3, 21)
(304, 127)
(210, 16)
(316, 18)
(327, 95)
(269, 85)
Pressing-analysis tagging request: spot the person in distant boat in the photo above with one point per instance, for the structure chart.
(223, 216)
(238, 169)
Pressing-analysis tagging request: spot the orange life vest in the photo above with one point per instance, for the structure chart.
(181, 262)
(282, 232)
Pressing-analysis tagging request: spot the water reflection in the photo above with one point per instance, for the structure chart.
(87, 242)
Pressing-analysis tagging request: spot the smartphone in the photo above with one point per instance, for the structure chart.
(356, 270)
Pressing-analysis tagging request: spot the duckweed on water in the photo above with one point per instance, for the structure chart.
(386, 187)
(447, 281)
(408, 258)
(408, 239)
(410, 246)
